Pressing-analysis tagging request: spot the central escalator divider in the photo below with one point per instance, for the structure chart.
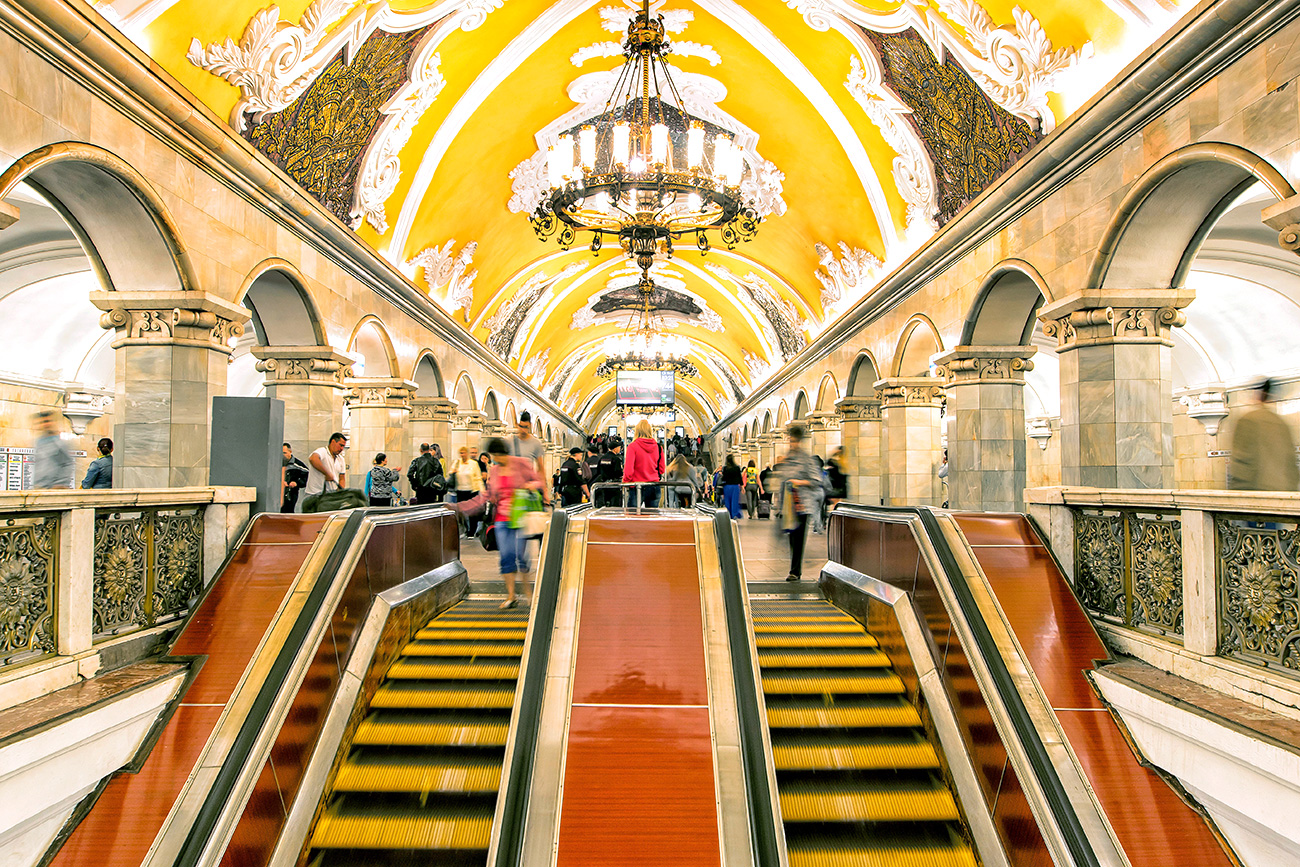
(420, 782)
(858, 780)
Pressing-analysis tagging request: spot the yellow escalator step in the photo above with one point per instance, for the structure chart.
(442, 696)
(806, 640)
(855, 756)
(423, 648)
(901, 715)
(418, 775)
(822, 659)
(403, 829)
(764, 627)
(923, 855)
(863, 802)
(477, 623)
(406, 732)
(433, 633)
(876, 683)
(406, 669)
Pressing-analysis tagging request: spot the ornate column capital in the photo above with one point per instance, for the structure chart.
(1097, 317)
(378, 392)
(303, 365)
(823, 421)
(435, 409)
(1285, 218)
(972, 365)
(171, 318)
(468, 420)
(902, 391)
(859, 409)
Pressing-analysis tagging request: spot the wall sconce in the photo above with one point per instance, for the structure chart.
(1039, 430)
(1209, 406)
(81, 408)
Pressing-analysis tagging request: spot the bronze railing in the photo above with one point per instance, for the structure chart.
(29, 549)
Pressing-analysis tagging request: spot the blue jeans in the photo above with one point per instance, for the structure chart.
(512, 547)
(651, 497)
(731, 498)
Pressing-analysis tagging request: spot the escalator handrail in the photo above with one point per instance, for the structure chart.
(1049, 782)
(532, 689)
(208, 816)
(764, 837)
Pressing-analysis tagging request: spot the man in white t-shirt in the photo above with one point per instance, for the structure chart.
(326, 469)
(524, 445)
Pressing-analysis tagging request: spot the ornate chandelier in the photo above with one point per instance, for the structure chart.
(644, 346)
(645, 170)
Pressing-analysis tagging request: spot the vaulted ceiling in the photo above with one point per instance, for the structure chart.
(421, 125)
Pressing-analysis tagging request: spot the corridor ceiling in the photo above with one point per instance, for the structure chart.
(422, 126)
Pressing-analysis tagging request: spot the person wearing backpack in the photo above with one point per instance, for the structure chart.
(753, 489)
(425, 475)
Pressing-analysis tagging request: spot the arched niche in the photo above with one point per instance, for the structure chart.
(490, 408)
(463, 393)
(800, 405)
(767, 422)
(827, 393)
(1169, 211)
(863, 376)
(124, 227)
(1005, 310)
(918, 343)
(510, 416)
(782, 415)
(428, 377)
(744, 433)
(282, 310)
(372, 347)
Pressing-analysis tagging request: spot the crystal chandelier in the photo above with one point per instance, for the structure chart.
(645, 170)
(644, 346)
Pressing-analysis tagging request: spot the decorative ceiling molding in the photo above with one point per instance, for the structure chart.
(784, 319)
(535, 369)
(616, 20)
(846, 279)
(504, 325)
(702, 316)
(448, 271)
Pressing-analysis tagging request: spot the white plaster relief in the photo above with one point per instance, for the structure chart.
(442, 269)
(534, 370)
(846, 278)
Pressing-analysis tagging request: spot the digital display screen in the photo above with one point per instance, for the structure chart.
(645, 387)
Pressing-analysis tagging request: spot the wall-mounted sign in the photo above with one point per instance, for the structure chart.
(1218, 453)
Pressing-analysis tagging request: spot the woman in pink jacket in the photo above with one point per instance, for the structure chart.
(644, 462)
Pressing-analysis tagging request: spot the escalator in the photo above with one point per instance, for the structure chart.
(859, 781)
(420, 780)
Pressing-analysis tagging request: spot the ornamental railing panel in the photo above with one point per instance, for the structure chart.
(29, 550)
(1129, 568)
(1258, 568)
(148, 568)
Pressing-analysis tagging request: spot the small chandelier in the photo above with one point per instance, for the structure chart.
(645, 170)
(644, 346)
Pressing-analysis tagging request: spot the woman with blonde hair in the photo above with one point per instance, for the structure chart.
(644, 462)
(682, 494)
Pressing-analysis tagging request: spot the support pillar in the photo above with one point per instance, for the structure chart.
(767, 445)
(379, 408)
(309, 379)
(466, 430)
(986, 426)
(860, 437)
(824, 434)
(431, 423)
(911, 440)
(1117, 421)
(172, 355)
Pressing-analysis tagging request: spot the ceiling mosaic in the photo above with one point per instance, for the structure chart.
(423, 126)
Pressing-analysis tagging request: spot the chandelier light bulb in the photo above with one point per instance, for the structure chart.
(735, 166)
(621, 143)
(587, 145)
(637, 165)
(554, 172)
(564, 155)
(694, 202)
(695, 145)
(659, 143)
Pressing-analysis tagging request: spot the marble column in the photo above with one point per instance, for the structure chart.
(172, 354)
(309, 379)
(824, 434)
(379, 408)
(986, 426)
(911, 440)
(1115, 349)
(431, 423)
(467, 430)
(860, 437)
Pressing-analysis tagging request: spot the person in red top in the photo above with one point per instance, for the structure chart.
(644, 462)
(507, 475)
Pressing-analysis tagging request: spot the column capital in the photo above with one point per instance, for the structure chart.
(303, 365)
(1097, 317)
(899, 391)
(859, 408)
(171, 318)
(971, 365)
(435, 409)
(468, 420)
(379, 392)
(823, 421)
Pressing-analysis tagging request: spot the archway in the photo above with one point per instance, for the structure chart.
(767, 422)
(919, 342)
(427, 376)
(283, 316)
(490, 408)
(800, 405)
(827, 393)
(782, 416)
(463, 393)
(864, 376)
(372, 350)
(1005, 310)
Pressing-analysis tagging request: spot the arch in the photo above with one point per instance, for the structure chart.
(767, 422)
(800, 406)
(370, 340)
(463, 393)
(1005, 310)
(863, 376)
(490, 407)
(744, 433)
(912, 357)
(124, 226)
(827, 393)
(782, 416)
(550, 436)
(510, 415)
(1164, 219)
(283, 311)
(427, 376)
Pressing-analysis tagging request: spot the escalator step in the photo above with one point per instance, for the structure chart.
(447, 621)
(824, 658)
(809, 640)
(902, 854)
(415, 669)
(381, 773)
(357, 827)
(867, 802)
(774, 626)
(416, 696)
(482, 648)
(855, 755)
(899, 714)
(401, 730)
(456, 633)
(873, 682)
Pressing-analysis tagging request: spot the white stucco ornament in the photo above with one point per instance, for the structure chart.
(845, 279)
(443, 268)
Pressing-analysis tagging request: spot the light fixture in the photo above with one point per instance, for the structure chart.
(644, 345)
(1208, 405)
(645, 171)
(1039, 430)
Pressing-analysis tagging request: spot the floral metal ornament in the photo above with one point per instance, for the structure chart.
(28, 563)
(1157, 567)
(1099, 563)
(1259, 603)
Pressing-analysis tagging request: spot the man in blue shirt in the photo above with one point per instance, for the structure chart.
(52, 462)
